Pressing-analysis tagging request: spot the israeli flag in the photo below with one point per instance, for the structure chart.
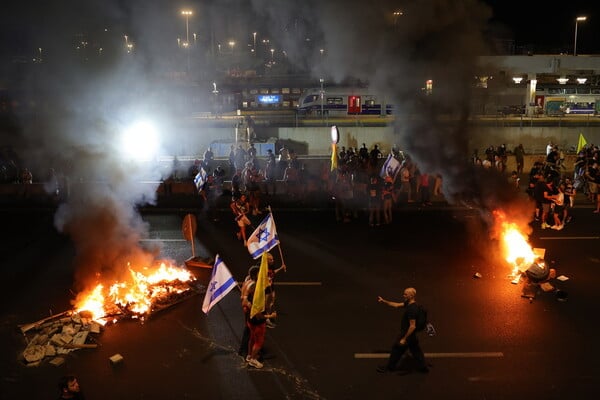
(200, 179)
(264, 237)
(391, 166)
(221, 282)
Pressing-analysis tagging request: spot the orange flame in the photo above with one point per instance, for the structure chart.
(136, 296)
(516, 250)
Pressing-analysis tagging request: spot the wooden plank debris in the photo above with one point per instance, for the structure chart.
(53, 337)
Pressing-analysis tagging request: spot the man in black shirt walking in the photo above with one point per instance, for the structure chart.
(407, 339)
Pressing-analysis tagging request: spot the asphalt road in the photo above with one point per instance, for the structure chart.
(491, 343)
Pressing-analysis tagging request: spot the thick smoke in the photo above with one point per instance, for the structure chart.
(95, 98)
(97, 90)
(439, 40)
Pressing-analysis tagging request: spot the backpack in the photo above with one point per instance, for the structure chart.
(423, 323)
(421, 318)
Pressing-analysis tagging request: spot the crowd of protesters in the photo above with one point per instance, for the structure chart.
(353, 184)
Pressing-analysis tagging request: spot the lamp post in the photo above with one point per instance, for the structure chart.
(254, 42)
(321, 80)
(575, 43)
(397, 14)
(187, 14)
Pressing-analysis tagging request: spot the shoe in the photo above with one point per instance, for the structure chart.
(270, 324)
(382, 369)
(248, 358)
(255, 363)
(555, 227)
(545, 225)
(560, 227)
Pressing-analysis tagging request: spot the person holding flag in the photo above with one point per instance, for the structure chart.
(255, 300)
(270, 289)
(221, 282)
(390, 167)
(263, 239)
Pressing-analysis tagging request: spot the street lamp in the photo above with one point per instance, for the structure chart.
(254, 42)
(272, 53)
(231, 44)
(575, 44)
(321, 80)
(397, 14)
(186, 14)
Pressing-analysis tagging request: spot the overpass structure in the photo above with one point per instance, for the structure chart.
(528, 75)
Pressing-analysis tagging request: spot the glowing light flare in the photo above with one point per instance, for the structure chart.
(140, 141)
(136, 296)
(94, 303)
(516, 249)
(518, 252)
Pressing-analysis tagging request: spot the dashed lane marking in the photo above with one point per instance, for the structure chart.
(163, 240)
(570, 238)
(493, 354)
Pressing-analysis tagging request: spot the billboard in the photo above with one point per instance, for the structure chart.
(269, 98)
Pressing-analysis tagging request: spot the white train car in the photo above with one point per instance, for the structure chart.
(568, 99)
(342, 101)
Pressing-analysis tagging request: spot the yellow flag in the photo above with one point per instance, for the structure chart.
(334, 157)
(258, 300)
(582, 142)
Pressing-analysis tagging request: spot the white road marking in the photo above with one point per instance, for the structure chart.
(163, 240)
(493, 354)
(571, 238)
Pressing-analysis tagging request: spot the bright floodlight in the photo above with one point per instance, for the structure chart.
(140, 141)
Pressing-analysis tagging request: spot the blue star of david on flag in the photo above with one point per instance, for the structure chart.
(264, 237)
(221, 282)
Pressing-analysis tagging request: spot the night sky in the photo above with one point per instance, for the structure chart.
(30, 24)
(547, 27)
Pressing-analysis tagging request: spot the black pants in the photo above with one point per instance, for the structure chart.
(398, 350)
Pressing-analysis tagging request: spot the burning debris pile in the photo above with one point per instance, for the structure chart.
(142, 296)
(526, 262)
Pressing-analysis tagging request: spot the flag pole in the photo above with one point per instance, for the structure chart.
(278, 244)
(193, 237)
